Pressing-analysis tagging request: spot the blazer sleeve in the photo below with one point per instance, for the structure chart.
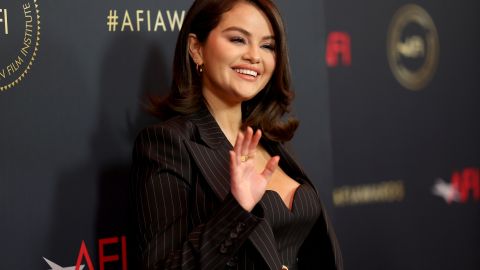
(161, 193)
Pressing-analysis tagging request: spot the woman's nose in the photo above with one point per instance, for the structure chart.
(252, 55)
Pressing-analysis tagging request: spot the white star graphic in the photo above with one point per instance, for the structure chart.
(445, 190)
(55, 266)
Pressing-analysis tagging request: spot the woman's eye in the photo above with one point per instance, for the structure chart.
(237, 40)
(270, 47)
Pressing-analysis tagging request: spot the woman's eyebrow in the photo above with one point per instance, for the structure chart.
(245, 32)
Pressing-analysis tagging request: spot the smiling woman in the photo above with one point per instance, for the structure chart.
(209, 191)
(238, 58)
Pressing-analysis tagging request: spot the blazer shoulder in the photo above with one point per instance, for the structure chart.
(179, 127)
(161, 147)
(150, 140)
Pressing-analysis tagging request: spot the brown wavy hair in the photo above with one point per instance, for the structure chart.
(266, 110)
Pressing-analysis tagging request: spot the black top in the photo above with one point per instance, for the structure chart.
(290, 227)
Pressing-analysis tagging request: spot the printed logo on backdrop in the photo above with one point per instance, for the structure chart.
(412, 47)
(464, 186)
(112, 253)
(139, 20)
(338, 49)
(19, 40)
(374, 193)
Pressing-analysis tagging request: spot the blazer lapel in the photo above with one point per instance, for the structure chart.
(210, 152)
(263, 239)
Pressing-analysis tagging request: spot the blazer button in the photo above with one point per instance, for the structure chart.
(233, 235)
(223, 249)
(227, 242)
(231, 263)
(240, 227)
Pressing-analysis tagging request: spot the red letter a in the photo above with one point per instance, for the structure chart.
(84, 253)
(338, 45)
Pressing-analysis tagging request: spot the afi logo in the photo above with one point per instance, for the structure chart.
(83, 255)
(464, 184)
(338, 47)
(4, 19)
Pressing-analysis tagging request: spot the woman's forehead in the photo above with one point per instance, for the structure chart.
(248, 17)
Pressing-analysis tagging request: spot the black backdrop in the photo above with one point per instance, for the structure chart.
(397, 160)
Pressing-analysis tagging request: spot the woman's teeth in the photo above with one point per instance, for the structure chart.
(246, 71)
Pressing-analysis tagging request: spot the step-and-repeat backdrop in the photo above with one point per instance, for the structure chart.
(387, 93)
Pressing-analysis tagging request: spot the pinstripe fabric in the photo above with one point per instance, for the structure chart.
(290, 228)
(185, 216)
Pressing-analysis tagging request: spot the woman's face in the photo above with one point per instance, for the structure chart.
(238, 55)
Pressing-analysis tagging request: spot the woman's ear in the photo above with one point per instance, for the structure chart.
(195, 49)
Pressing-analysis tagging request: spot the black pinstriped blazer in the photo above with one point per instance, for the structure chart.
(186, 217)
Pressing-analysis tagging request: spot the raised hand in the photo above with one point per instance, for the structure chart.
(248, 185)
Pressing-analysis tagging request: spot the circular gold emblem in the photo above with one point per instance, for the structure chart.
(412, 47)
(19, 40)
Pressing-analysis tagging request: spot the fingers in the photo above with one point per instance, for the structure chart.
(246, 141)
(254, 142)
(238, 147)
(246, 144)
(270, 167)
